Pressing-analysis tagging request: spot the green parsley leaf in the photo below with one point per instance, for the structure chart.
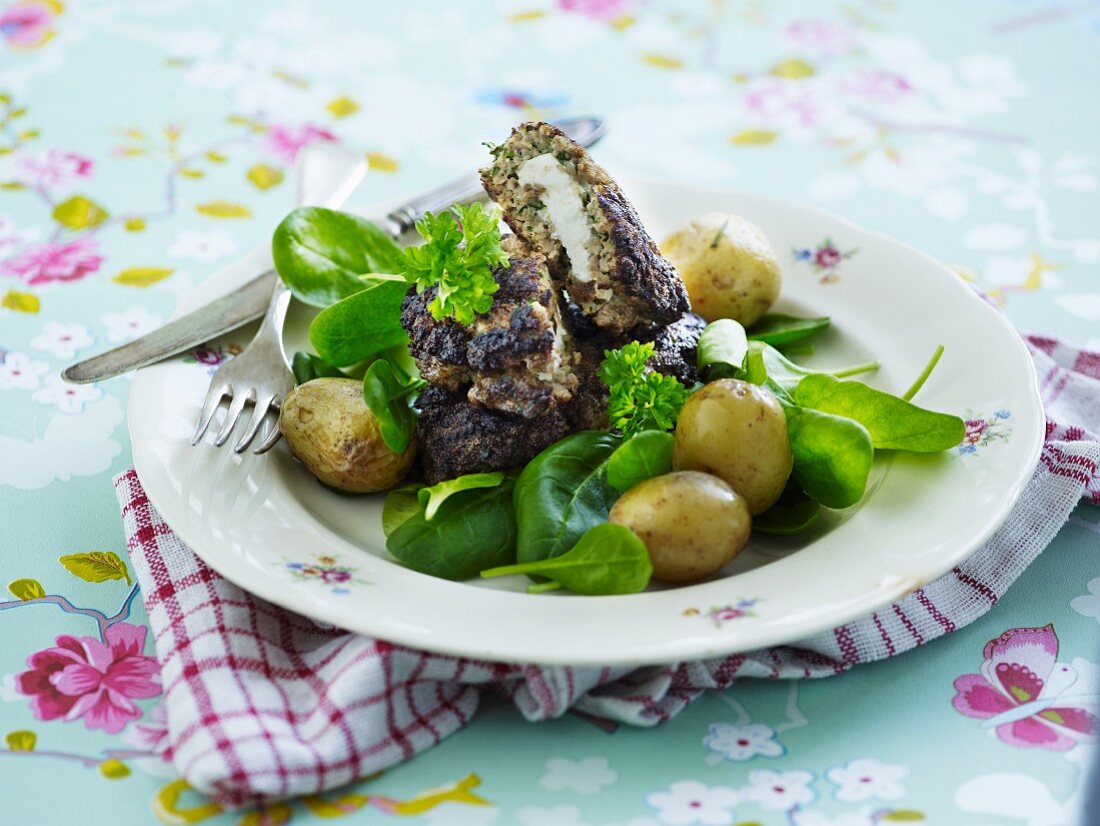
(457, 261)
(640, 398)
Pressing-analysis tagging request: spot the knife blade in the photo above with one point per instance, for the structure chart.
(220, 316)
(250, 301)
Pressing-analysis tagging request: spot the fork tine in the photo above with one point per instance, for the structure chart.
(276, 433)
(254, 424)
(235, 408)
(209, 406)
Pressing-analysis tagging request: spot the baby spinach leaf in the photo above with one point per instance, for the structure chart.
(777, 328)
(401, 504)
(431, 498)
(795, 512)
(320, 254)
(787, 374)
(894, 424)
(562, 493)
(608, 559)
(832, 456)
(721, 349)
(646, 455)
(386, 390)
(471, 531)
(755, 371)
(360, 325)
(306, 367)
(915, 387)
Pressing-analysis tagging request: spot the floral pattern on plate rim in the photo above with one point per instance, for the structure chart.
(982, 432)
(327, 571)
(825, 258)
(721, 614)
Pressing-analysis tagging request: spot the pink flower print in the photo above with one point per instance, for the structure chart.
(1025, 695)
(828, 257)
(603, 10)
(26, 25)
(785, 102)
(54, 261)
(974, 430)
(285, 142)
(82, 677)
(208, 355)
(876, 87)
(335, 576)
(821, 36)
(52, 169)
(152, 735)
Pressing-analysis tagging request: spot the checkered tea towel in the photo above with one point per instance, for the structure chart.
(264, 704)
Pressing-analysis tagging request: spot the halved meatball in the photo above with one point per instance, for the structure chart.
(566, 207)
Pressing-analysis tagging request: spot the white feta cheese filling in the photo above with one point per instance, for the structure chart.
(563, 209)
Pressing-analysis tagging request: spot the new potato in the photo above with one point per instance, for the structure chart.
(692, 523)
(727, 265)
(330, 429)
(738, 432)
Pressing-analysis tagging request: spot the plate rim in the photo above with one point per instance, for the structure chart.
(689, 647)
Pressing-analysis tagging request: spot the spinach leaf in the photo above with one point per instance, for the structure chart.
(785, 373)
(777, 328)
(306, 367)
(471, 531)
(401, 504)
(386, 390)
(755, 371)
(721, 349)
(320, 254)
(361, 325)
(915, 387)
(795, 512)
(832, 456)
(608, 559)
(646, 455)
(562, 493)
(893, 423)
(431, 498)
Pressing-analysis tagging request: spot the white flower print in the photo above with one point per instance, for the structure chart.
(585, 776)
(10, 236)
(688, 802)
(19, 372)
(62, 340)
(779, 791)
(867, 779)
(134, 322)
(1088, 605)
(192, 245)
(743, 742)
(68, 398)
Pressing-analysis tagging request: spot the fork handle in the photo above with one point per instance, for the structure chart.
(584, 130)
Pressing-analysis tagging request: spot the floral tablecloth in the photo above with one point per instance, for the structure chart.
(144, 144)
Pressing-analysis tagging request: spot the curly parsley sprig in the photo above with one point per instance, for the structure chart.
(458, 261)
(640, 398)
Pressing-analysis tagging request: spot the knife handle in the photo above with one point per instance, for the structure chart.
(584, 130)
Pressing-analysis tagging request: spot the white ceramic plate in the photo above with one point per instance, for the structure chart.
(267, 525)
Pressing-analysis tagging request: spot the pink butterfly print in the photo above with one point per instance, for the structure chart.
(1023, 693)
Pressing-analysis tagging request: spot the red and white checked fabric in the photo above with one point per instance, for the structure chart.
(264, 704)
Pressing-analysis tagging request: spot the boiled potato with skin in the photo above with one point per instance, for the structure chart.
(738, 432)
(330, 430)
(727, 265)
(692, 523)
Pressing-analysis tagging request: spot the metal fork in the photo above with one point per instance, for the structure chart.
(259, 375)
